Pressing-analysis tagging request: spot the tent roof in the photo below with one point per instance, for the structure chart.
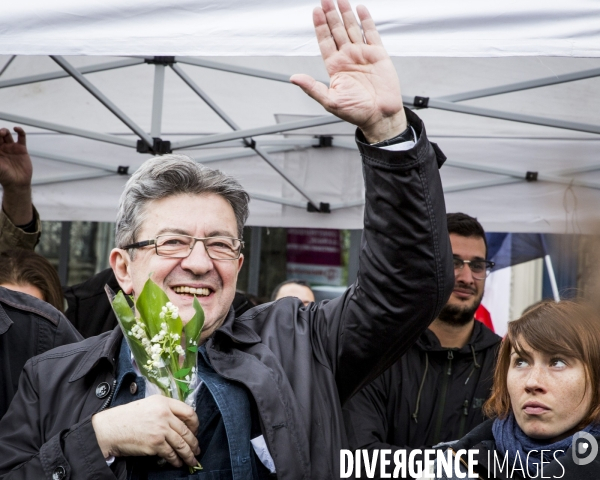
(556, 101)
(272, 27)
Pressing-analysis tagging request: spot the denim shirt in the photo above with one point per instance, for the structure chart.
(226, 425)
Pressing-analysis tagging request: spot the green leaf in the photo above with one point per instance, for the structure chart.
(183, 386)
(149, 305)
(123, 311)
(138, 351)
(182, 373)
(194, 326)
(175, 325)
(193, 349)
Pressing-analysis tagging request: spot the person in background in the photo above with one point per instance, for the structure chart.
(27, 272)
(20, 225)
(294, 288)
(546, 390)
(436, 391)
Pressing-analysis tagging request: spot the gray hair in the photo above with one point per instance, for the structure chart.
(168, 175)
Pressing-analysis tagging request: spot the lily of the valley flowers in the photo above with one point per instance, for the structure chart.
(164, 349)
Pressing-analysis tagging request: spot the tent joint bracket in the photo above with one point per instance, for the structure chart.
(324, 141)
(421, 102)
(161, 60)
(158, 147)
(531, 176)
(322, 208)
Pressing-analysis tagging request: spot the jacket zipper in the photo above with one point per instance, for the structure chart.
(463, 420)
(110, 396)
(440, 418)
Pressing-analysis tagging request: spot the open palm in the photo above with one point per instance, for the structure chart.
(15, 163)
(364, 88)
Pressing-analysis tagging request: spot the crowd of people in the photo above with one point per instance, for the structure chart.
(397, 363)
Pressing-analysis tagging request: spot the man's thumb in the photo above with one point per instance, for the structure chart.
(312, 88)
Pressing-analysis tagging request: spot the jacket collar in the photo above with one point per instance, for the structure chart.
(5, 321)
(105, 347)
(237, 330)
(482, 338)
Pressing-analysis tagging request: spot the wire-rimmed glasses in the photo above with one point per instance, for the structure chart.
(181, 246)
(480, 269)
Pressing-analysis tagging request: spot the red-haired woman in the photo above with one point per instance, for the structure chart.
(545, 403)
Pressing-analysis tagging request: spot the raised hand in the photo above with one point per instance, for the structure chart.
(15, 176)
(364, 88)
(15, 163)
(156, 425)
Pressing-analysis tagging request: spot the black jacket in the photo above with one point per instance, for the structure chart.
(431, 395)
(482, 440)
(28, 327)
(299, 363)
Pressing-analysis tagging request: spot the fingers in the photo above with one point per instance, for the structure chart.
(21, 135)
(352, 26)
(371, 34)
(6, 136)
(183, 442)
(326, 44)
(184, 413)
(336, 26)
(167, 452)
(317, 90)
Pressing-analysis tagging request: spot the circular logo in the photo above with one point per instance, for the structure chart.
(584, 448)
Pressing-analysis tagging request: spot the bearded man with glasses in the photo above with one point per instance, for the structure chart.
(280, 372)
(435, 392)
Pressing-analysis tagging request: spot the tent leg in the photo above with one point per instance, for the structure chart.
(63, 253)
(548, 261)
(353, 257)
(157, 100)
(7, 64)
(254, 270)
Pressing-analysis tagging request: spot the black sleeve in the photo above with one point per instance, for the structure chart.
(405, 268)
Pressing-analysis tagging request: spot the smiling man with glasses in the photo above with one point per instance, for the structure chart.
(275, 378)
(435, 392)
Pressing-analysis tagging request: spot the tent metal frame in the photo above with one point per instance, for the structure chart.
(245, 137)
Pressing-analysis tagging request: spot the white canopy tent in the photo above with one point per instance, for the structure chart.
(512, 95)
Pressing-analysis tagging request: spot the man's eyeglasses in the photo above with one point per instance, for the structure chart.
(180, 246)
(480, 269)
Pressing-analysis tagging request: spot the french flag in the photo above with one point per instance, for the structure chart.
(506, 250)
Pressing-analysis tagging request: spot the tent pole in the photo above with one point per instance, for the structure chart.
(521, 175)
(70, 178)
(55, 127)
(73, 161)
(101, 67)
(157, 100)
(7, 64)
(354, 254)
(224, 67)
(254, 270)
(481, 184)
(63, 253)
(117, 112)
(514, 117)
(520, 86)
(246, 153)
(552, 278)
(234, 126)
(254, 132)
